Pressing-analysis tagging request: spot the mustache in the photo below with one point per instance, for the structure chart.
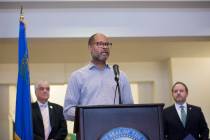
(179, 95)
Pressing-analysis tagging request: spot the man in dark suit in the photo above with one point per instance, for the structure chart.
(182, 120)
(48, 119)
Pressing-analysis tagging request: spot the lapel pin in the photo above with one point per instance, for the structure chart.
(51, 107)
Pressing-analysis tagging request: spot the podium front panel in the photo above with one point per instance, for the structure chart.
(97, 121)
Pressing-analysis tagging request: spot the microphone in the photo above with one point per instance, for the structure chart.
(116, 72)
(117, 75)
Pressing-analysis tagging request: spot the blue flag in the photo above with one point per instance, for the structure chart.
(23, 117)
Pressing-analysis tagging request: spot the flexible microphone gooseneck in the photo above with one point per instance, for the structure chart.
(116, 78)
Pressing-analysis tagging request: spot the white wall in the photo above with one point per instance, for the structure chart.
(155, 72)
(195, 72)
(5, 121)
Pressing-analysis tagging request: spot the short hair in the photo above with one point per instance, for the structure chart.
(91, 39)
(185, 86)
(37, 85)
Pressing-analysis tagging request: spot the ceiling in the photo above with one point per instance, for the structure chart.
(141, 30)
(7, 4)
(74, 50)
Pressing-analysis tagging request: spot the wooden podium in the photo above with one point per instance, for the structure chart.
(92, 122)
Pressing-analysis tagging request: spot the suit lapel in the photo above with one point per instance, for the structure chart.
(38, 119)
(189, 111)
(51, 110)
(38, 111)
(176, 117)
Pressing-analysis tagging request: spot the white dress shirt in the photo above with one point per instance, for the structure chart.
(46, 118)
(178, 108)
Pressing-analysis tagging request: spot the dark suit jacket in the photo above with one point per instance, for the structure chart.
(195, 124)
(57, 121)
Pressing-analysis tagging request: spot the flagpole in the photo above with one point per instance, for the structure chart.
(21, 13)
(23, 115)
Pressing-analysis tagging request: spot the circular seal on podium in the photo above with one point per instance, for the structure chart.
(122, 133)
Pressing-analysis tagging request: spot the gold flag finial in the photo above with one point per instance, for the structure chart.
(21, 13)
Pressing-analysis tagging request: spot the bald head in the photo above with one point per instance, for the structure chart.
(94, 37)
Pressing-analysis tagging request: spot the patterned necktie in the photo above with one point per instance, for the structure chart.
(183, 115)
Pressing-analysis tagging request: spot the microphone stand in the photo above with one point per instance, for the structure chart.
(118, 88)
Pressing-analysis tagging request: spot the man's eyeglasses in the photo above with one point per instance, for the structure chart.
(103, 44)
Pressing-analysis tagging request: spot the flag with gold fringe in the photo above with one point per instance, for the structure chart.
(23, 115)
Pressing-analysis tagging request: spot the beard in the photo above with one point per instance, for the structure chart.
(180, 99)
(100, 57)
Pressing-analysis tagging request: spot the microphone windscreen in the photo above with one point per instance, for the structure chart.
(116, 69)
